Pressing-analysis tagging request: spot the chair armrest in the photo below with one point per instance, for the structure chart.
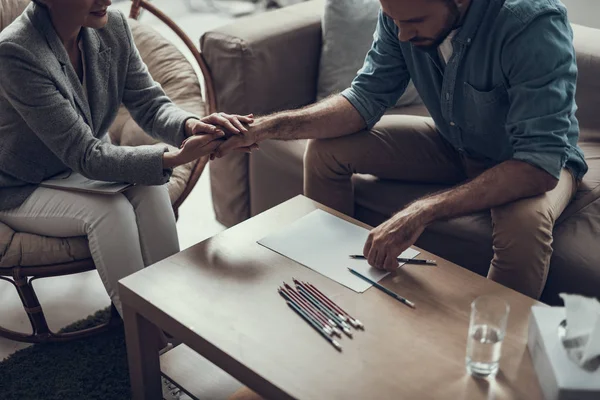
(266, 62)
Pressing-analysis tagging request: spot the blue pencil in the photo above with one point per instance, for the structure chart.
(384, 289)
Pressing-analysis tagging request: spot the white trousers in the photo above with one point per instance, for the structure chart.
(126, 232)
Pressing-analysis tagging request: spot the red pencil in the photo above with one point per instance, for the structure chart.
(324, 299)
(321, 296)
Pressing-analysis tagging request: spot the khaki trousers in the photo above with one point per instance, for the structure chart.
(410, 149)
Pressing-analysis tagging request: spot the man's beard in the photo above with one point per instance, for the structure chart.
(451, 23)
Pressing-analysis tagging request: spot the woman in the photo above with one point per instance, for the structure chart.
(65, 68)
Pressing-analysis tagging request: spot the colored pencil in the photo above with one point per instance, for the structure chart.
(333, 309)
(291, 291)
(356, 323)
(323, 326)
(344, 326)
(304, 316)
(384, 289)
(400, 259)
(302, 303)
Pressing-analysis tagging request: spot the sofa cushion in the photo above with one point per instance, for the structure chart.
(348, 27)
(589, 189)
(587, 46)
(28, 250)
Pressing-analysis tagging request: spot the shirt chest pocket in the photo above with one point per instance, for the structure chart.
(486, 111)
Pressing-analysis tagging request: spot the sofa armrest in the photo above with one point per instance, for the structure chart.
(266, 62)
(259, 64)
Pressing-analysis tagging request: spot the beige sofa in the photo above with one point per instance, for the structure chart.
(270, 62)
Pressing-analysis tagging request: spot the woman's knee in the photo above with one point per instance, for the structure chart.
(112, 209)
(155, 196)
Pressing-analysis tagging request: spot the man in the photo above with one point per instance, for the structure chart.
(498, 78)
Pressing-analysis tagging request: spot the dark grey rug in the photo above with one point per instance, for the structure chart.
(86, 369)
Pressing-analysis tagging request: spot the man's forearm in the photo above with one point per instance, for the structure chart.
(329, 118)
(506, 182)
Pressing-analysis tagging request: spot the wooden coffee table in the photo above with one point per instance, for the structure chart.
(220, 299)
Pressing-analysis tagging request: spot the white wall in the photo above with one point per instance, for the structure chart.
(584, 12)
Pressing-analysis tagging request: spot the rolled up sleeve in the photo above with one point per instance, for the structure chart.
(542, 79)
(384, 75)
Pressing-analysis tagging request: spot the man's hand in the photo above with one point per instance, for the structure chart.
(246, 142)
(386, 242)
(228, 124)
(508, 181)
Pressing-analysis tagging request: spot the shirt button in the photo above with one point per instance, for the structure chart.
(452, 123)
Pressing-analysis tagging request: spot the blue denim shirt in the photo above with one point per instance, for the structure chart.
(507, 92)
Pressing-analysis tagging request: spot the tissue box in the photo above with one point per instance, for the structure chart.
(560, 378)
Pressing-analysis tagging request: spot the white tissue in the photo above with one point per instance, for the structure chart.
(583, 327)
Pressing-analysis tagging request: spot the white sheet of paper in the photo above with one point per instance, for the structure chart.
(323, 243)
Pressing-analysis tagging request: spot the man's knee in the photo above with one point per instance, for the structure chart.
(335, 154)
(522, 227)
(317, 150)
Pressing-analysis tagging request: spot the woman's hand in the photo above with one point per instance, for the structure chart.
(229, 124)
(193, 148)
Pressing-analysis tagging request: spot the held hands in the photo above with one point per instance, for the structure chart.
(204, 136)
(245, 142)
(386, 242)
(227, 124)
(193, 148)
(234, 129)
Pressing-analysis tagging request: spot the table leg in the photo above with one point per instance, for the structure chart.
(142, 355)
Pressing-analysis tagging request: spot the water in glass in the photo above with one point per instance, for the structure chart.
(483, 350)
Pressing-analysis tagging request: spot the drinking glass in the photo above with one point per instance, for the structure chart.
(489, 315)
